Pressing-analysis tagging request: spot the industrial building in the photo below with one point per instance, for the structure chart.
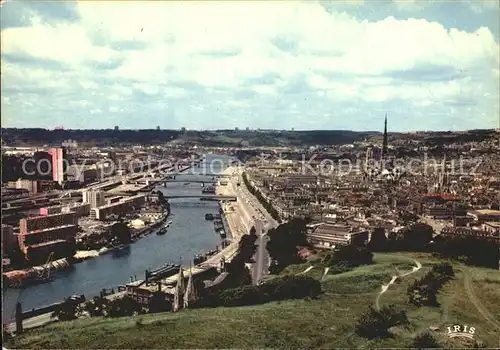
(41, 235)
(117, 208)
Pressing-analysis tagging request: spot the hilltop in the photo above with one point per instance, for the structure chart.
(326, 322)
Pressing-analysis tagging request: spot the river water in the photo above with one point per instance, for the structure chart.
(189, 234)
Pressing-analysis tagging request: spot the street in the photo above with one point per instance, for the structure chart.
(261, 266)
(257, 212)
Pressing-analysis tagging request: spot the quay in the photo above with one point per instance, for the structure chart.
(43, 315)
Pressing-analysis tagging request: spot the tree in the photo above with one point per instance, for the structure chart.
(351, 256)
(444, 269)
(125, 306)
(469, 249)
(424, 291)
(415, 238)
(97, 306)
(158, 303)
(67, 310)
(252, 231)
(247, 247)
(425, 341)
(283, 243)
(376, 323)
(378, 240)
(121, 232)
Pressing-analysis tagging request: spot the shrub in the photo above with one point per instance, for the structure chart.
(375, 324)
(425, 341)
(424, 291)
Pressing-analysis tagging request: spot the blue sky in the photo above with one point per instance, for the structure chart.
(287, 64)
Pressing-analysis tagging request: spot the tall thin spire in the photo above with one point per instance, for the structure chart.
(384, 145)
(190, 295)
(179, 291)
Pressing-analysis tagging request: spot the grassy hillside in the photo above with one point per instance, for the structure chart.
(327, 322)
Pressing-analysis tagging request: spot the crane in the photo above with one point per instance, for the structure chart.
(45, 273)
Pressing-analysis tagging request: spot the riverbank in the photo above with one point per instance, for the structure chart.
(233, 214)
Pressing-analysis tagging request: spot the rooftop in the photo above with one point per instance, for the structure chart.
(486, 212)
(49, 229)
(49, 243)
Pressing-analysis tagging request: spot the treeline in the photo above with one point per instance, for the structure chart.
(95, 137)
(268, 206)
(470, 250)
(280, 288)
(423, 292)
(348, 257)
(283, 244)
(99, 306)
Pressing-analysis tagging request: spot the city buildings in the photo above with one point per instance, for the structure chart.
(95, 198)
(55, 209)
(42, 235)
(119, 208)
(331, 235)
(80, 209)
(58, 155)
(31, 186)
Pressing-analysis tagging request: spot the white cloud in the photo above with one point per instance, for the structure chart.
(162, 49)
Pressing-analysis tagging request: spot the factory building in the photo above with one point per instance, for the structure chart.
(117, 208)
(39, 236)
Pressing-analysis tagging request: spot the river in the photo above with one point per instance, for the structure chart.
(189, 234)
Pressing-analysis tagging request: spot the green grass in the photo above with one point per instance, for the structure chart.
(327, 322)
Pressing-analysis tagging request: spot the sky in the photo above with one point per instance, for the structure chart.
(273, 65)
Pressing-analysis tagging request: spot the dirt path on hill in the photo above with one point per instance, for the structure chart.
(385, 287)
(477, 303)
(305, 271)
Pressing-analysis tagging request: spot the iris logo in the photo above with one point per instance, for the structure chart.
(458, 331)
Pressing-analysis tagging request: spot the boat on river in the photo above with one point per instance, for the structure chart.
(34, 275)
(161, 231)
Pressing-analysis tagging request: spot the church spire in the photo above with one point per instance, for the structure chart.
(190, 294)
(384, 144)
(179, 291)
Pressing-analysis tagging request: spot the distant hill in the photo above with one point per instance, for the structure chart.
(227, 138)
(36, 137)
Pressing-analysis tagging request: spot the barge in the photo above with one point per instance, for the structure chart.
(162, 272)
